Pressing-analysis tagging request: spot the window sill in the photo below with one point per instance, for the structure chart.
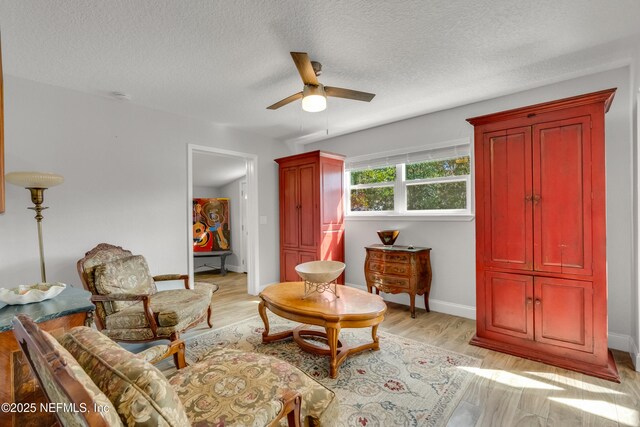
(399, 217)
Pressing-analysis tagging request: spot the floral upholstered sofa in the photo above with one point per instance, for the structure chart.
(231, 388)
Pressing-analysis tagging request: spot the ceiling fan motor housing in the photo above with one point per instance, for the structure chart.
(317, 67)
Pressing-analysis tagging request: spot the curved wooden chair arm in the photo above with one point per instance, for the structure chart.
(174, 348)
(148, 313)
(291, 404)
(165, 277)
(177, 348)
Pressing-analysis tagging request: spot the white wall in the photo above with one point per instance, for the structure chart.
(453, 243)
(125, 170)
(203, 192)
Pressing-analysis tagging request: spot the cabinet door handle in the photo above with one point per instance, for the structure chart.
(529, 300)
(538, 302)
(528, 197)
(536, 198)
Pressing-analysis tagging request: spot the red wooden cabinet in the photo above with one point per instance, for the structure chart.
(311, 210)
(540, 233)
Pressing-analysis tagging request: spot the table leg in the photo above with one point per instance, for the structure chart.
(376, 340)
(426, 302)
(263, 315)
(266, 338)
(412, 298)
(223, 271)
(333, 330)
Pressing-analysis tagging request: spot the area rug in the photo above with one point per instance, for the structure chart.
(406, 383)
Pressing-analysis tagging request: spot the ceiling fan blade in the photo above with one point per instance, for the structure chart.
(303, 64)
(285, 101)
(339, 92)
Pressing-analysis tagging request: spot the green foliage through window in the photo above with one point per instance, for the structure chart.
(372, 176)
(442, 195)
(372, 199)
(439, 168)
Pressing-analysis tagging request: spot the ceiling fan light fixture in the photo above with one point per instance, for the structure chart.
(313, 98)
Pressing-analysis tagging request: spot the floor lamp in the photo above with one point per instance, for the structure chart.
(36, 183)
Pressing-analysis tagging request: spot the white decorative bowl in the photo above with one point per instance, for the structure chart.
(320, 271)
(26, 294)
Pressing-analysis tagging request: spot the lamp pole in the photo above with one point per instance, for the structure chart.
(37, 197)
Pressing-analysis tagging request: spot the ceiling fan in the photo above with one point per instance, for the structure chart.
(314, 94)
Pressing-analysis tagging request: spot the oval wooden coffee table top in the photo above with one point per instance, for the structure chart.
(352, 308)
(352, 304)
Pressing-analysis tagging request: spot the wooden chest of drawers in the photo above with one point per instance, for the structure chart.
(399, 269)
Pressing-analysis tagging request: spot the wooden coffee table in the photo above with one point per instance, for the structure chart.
(352, 309)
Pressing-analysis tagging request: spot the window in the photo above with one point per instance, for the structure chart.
(372, 189)
(424, 182)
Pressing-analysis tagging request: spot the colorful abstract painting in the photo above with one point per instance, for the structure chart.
(211, 229)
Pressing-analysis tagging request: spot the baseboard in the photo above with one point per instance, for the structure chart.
(620, 342)
(635, 354)
(436, 305)
(234, 268)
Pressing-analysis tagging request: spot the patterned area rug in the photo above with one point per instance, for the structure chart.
(406, 383)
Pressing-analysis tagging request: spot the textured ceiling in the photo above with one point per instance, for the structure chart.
(213, 170)
(225, 61)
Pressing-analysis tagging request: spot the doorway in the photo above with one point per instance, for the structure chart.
(212, 173)
(244, 234)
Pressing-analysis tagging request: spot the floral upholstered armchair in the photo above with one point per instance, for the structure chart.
(129, 306)
(229, 388)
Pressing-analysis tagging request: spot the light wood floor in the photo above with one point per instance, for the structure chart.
(505, 391)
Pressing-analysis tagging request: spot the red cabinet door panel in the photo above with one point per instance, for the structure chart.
(508, 187)
(332, 248)
(289, 260)
(306, 257)
(308, 185)
(562, 196)
(289, 207)
(564, 313)
(509, 300)
(332, 177)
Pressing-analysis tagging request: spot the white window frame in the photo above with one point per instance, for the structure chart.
(400, 193)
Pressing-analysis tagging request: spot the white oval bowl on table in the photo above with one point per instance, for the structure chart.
(26, 294)
(320, 271)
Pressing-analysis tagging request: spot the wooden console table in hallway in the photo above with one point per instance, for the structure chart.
(69, 309)
(222, 254)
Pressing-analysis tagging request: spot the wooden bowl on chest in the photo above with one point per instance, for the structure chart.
(388, 237)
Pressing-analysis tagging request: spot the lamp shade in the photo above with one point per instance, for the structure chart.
(34, 179)
(314, 98)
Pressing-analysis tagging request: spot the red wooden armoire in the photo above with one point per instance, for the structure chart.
(541, 284)
(311, 210)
